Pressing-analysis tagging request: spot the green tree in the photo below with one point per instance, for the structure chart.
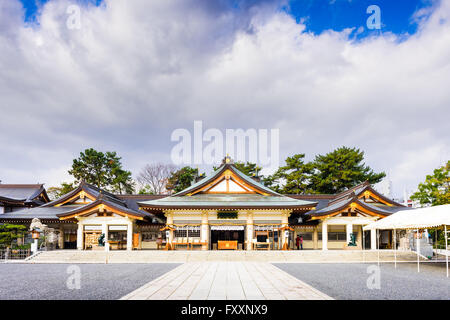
(103, 170)
(436, 188)
(182, 178)
(120, 180)
(146, 189)
(292, 178)
(10, 232)
(272, 182)
(57, 192)
(341, 169)
(247, 168)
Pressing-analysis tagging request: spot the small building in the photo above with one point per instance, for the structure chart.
(83, 215)
(339, 217)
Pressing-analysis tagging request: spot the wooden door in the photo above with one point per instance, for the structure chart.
(135, 240)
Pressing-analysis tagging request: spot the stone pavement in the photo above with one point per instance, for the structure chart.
(226, 281)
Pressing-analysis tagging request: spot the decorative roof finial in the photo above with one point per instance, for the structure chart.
(227, 159)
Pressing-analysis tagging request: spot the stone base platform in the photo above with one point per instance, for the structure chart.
(154, 256)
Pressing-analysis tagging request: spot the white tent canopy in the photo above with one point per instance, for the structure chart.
(430, 217)
(423, 218)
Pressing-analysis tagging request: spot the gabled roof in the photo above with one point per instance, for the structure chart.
(226, 166)
(349, 200)
(359, 191)
(331, 204)
(90, 190)
(113, 206)
(23, 194)
(261, 197)
(354, 190)
(65, 207)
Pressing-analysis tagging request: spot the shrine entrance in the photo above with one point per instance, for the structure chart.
(227, 237)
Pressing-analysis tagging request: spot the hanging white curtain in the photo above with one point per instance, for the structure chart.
(228, 228)
(265, 228)
(188, 228)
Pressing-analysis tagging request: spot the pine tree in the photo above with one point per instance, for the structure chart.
(103, 170)
(341, 169)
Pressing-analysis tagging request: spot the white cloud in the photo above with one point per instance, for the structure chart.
(137, 70)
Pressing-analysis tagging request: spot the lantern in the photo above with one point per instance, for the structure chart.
(35, 234)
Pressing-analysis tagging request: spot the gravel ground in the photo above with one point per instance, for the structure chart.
(97, 281)
(349, 281)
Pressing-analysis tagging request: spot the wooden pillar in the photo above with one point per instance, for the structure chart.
(130, 236)
(324, 235)
(373, 239)
(390, 239)
(285, 223)
(359, 236)
(348, 231)
(204, 231)
(249, 230)
(61, 238)
(295, 237)
(105, 232)
(169, 222)
(80, 237)
(315, 239)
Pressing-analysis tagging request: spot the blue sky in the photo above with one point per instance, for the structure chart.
(318, 15)
(341, 14)
(31, 6)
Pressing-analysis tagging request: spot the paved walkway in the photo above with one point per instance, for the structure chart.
(226, 281)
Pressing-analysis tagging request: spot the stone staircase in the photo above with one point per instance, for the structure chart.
(180, 256)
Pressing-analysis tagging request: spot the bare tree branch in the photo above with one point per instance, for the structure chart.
(154, 177)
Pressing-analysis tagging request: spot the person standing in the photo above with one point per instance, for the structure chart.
(297, 242)
(301, 242)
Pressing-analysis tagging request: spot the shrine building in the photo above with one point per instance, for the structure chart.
(226, 210)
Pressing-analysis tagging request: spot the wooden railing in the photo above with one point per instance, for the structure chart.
(14, 254)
